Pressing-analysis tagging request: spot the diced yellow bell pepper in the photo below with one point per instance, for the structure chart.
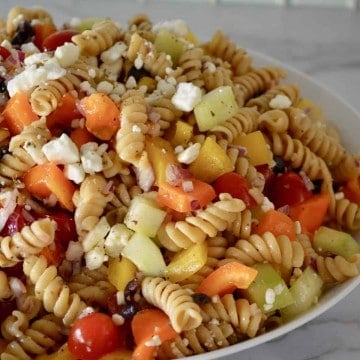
(147, 81)
(179, 133)
(258, 151)
(120, 272)
(161, 154)
(211, 162)
(187, 262)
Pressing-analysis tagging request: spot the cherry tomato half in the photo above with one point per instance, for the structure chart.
(287, 189)
(57, 39)
(93, 336)
(14, 223)
(236, 185)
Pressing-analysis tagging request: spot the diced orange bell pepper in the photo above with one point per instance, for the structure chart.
(18, 113)
(101, 115)
(81, 136)
(311, 212)
(62, 116)
(351, 190)
(46, 179)
(176, 198)
(277, 223)
(226, 278)
(145, 325)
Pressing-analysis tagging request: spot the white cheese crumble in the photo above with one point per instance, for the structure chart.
(280, 101)
(74, 172)
(118, 319)
(61, 150)
(267, 205)
(114, 53)
(67, 54)
(187, 95)
(270, 296)
(297, 226)
(74, 251)
(190, 154)
(91, 157)
(154, 341)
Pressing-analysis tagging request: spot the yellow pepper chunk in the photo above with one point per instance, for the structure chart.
(187, 262)
(179, 133)
(120, 272)
(258, 151)
(211, 162)
(161, 154)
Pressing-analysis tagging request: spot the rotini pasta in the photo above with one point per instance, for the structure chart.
(198, 204)
(183, 312)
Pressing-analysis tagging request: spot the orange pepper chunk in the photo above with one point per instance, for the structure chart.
(101, 115)
(18, 113)
(226, 278)
(46, 179)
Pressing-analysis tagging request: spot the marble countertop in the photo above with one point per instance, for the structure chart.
(322, 42)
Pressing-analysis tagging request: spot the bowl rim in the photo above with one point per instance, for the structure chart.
(340, 291)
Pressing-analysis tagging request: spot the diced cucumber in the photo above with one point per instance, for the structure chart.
(268, 290)
(167, 42)
(144, 216)
(305, 291)
(144, 253)
(215, 108)
(327, 240)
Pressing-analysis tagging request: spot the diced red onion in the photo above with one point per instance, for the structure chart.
(307, 182)
(27, 215)
(187, 186)
(195, 205)
(284, 209)
(242, 150)
(175, 174)
(108, 187)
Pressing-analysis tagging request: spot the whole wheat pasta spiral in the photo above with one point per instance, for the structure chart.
(102, 36)
(90, 201)
(45, 98)
(176, 302)
(244, 122)
(42, 335)
(256, 82)
(241, 226)
(221, 46)
(50, 288)
(274, 121)
(246, 318)
(262, 102)
(28, 241)
(213, 78)
(5, 291)
(206, 337)
(347, 214)
(315, 138)
(190, 63)
(267, 248)
(215, 217)
(337, 269)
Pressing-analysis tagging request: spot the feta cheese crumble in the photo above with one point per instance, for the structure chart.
(187, 95)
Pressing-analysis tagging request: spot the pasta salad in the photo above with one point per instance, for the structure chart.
(161, 196)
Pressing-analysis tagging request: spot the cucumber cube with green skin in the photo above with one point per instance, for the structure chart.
(269, 291)
(168, 43)
(215, 108)
(305, 290)
(144, 253)
(327, 240)
(144, 216)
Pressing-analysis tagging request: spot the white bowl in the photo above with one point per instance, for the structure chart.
(347, 120)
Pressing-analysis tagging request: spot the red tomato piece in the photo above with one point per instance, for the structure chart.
(351, 190)
(42, 31)
(93, 336)
(236, 185)
(4, 53)
(287, 189)
(58, 38)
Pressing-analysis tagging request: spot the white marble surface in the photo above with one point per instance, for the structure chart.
(324, 43)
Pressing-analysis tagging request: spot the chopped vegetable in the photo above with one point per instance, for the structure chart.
(46, 179)
(226, 278)
(176, 198)
(120, 272)
(311, 212)
(277, 223)
(101, 115)
(18, 113)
